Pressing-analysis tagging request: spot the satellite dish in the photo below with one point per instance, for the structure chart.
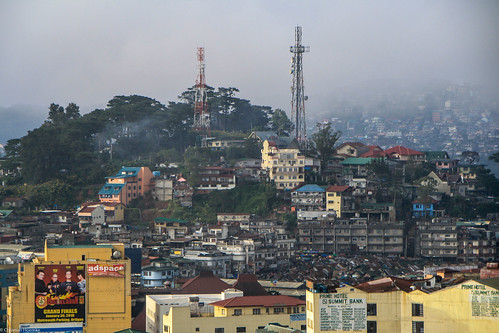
(116, 255)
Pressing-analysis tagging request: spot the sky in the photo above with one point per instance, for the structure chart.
(87, 51)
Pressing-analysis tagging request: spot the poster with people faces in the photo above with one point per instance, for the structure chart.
(60, 293)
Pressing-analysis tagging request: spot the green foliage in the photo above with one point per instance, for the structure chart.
(325, 139)
(487, 182)
(280, 123)
(257, 199)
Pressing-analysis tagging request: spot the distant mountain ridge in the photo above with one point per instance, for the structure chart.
(17, 120)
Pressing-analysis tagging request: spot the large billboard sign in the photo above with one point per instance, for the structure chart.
(114, 270)
(60, 293)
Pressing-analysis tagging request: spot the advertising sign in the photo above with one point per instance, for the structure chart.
(338, 312)
(60, 293)
(484, 302)
(114, 270)
(51, 328)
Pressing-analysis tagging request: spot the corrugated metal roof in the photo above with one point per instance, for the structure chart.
(111, 189)
(311, 188)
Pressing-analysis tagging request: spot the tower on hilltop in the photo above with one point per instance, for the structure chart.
(298, 99)
(201, 113)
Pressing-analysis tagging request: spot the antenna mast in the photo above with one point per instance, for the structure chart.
(298, 99)
(201, 113)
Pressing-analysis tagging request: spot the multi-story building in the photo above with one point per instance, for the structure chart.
(172, 228)
(351, 236)
(114, 212)
(216, 178)
(159, 305)
(128, 184)
(237, 314)
(397, 305)
(85, 287)
(437, 239)
(308, 197)
(159, 274)
(475, 242)
(284, 163)
(339, 199)
(163, 189)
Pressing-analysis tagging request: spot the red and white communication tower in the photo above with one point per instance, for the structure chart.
(201, 113)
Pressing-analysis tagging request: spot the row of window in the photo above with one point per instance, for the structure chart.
(417, 309)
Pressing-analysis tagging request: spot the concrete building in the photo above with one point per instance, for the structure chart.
(308, 197)
(163, 189)
(351, 236)
(237, 314)
(88, 287)
(128, 184)
(284, 163)
(216, 178)
(159, 274)
(339, 199)
(397, 305)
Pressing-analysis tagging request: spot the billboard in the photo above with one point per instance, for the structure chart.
(60, 293)
(114, 270)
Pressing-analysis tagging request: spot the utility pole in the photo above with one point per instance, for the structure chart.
(201, 113)
(298, 99)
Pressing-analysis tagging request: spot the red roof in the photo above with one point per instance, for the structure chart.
(264, 301)
(374, 151)
(204, 283)
(87, 210)
(335, 188)
(248, 284)
(403, 151)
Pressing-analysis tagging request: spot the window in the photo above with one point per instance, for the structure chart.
(371, 309)
(256, 311)
(372, 326)
(240, 329)
(197, 329)
(238, 312)
(417, 327)
(303, 327)
(223, 311)
(166, 328)
(278, 310)
(417, 310)
(219, 330)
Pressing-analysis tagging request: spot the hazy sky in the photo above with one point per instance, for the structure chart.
(89, 51)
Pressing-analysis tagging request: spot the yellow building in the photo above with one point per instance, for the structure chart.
(85, 287)
(236, 314)
(396, 305)
(339, 198)
(284, 162)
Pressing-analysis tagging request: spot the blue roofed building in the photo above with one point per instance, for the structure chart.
(128, 184)
(309, 197)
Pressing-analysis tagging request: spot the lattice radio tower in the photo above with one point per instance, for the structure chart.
(298, 98)
(201, 113)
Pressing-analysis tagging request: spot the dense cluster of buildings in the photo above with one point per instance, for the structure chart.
(349, 241)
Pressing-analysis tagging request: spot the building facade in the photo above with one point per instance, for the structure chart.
(88, 287)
